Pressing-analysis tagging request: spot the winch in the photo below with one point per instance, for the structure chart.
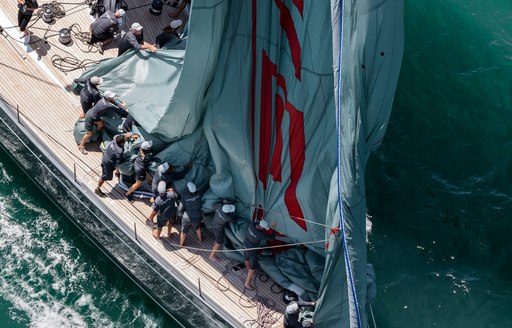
(48, 14)
(65, 36)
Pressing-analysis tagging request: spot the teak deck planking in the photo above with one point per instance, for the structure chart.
(51, 112)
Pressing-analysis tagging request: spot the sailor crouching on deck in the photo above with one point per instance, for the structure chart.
(134, 39)
(111, 157)
(255, 234)
(93, 116)
(103, 29)
(165, 206)
(89, 95)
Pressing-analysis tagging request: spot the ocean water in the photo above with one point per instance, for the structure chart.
(439, 191)
(440, 187)
(50, 276)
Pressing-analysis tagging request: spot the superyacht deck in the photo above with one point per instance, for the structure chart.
(33, 82)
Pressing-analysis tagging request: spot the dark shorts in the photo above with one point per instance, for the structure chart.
(163, 222)
(107, 172)
(252, 258)
(23, 20)
(140, 175)
(89, 123)
(219, 235)
(187, 223)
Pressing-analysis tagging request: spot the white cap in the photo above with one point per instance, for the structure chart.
(96, 80)
(109, 94)
(136, 27)
(162, 168)
(191, 187)
(292, 308)
(162, 187)
(121, 12)
(146, 145)
(176, 23)
(228, 208)
(264, 224)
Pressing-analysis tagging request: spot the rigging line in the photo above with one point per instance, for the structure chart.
(106, 226)
(338, 142)
(252, 248)
(291, 216)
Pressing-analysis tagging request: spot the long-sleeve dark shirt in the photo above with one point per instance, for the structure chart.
(90, 92)
(113, 154)
(100, 108)
(105, 26)
(130, 41)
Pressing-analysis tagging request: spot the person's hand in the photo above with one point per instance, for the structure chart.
(273, 226)
(124, 104)
(81, 115)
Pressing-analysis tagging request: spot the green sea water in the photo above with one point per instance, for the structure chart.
(440, 187)
(439, 192)
(51, 276)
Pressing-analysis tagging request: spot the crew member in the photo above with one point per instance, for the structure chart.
(169, 33)
(295, 315)
(255, 234)
(104, 27)
(26, 9)
(89, 95)
(93, 116)
(224, 213)
(192, 216)
(110, 158)
(165, 207)
(167, 173)
(134, 39)
(140, 165)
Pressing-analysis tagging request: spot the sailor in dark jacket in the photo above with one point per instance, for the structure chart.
(166, 172)
(255, 234)
(134, 39)
(103, 28)
(165, 207)
(168, 33)
(111, 157)
(93, 116)
(89, 95)
(192, 216)
(140, 166)
(224, 213)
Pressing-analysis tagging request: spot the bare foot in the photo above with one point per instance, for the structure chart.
(249, 287)
(156, 235)
(214, 257)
